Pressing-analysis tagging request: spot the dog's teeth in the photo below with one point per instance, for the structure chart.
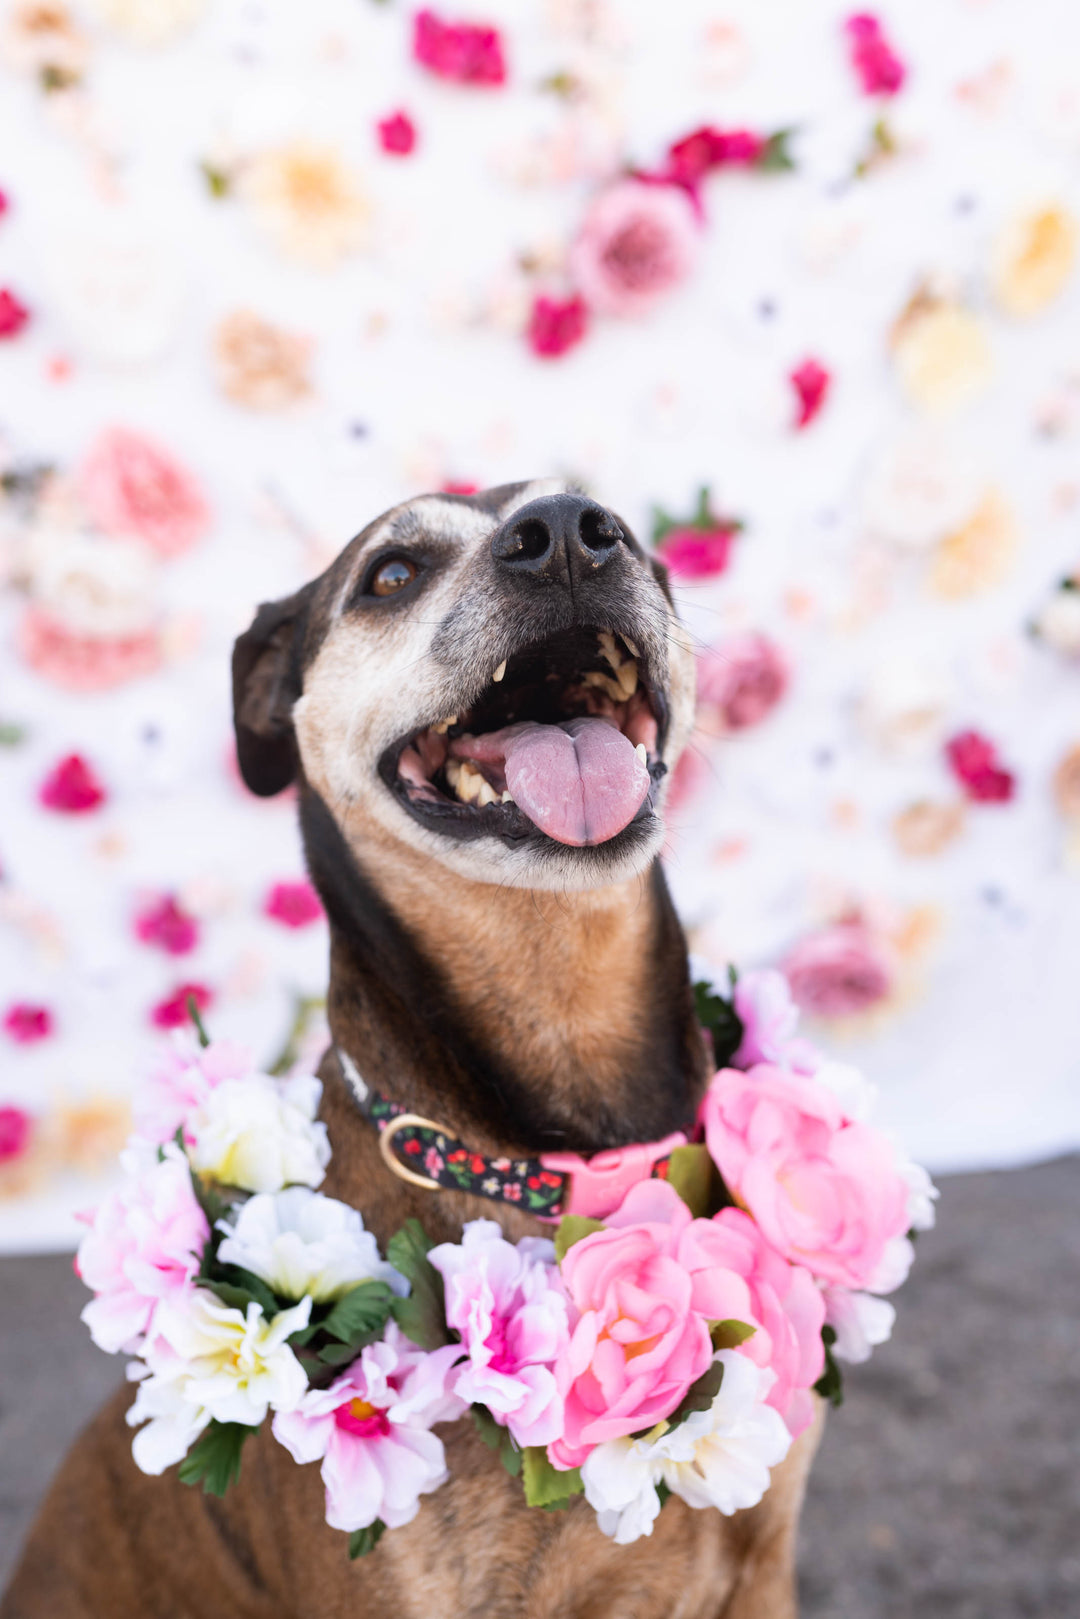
(507, 798)
(596, 677)
(643, 754)
(500, 671)
(627, 678)
(453, 772)
(444, 725)
(630, 647)
(609, 651)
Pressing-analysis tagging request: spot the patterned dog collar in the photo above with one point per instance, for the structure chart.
(420, 1151)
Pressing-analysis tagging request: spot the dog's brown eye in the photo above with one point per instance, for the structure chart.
(392, 576)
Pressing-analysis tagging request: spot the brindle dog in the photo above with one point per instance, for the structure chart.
(529, 991)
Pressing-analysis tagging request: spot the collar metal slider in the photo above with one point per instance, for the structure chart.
(405, 1121)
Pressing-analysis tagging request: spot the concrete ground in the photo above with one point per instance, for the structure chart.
(947, 1487)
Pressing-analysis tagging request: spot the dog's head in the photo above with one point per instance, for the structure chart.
(497, 681)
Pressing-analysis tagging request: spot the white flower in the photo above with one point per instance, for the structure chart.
(922, 1194)
(918, 489)
(307, 201)
(173, 1423)
(93, 585)
(1058, 624)
(120, 291)
(905, 702)
(716, 1458)
(261, 1134)
(893, 1266)
(299, 1242)
(149, 22)
(856, 1094)
(859, 1320)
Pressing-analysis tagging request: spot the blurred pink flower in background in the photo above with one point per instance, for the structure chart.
(397, 134)
(690, 159)
(26, 1023)
(16, 1129)
(838, 971)
(173, 1013)
(637, 243)
(13, 314)
(71, 787)
(811, 382)
(469, 53)
(294, 905)
(740, 681)
(974, 762)
(85, 662)
(555, 325)
(164, 924)
(880, 70)
(131, 486)
(695, 553)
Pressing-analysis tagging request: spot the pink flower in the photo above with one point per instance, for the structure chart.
(690, 159)
(769, 1018)
(85, 662)
(162, 923)
(507, 1303)
(294, 905)
(27, 1024)
(182, 1079)
(144, 1245)
(397, 134)
(880, 70)
(741, 680)
(825, 1191)
(13, 314)
(787, 1310)
(5, 203)
(459, 486)
(974, 762)
(372, 1430)
(132, 486)
(694, 553)
(172, 1012)
(468, 53)
(71, 787)
(642, 1299)
(556, 326)
(811, 382)
(838, 971)
(637, 243)
(16, 1132)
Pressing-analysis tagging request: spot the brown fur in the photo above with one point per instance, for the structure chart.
(522, 1017)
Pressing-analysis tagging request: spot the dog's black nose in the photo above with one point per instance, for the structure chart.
(559, 539)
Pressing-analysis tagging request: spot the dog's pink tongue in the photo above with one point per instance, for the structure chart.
(580, 782)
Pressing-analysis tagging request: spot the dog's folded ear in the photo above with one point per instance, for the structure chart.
(267, 671)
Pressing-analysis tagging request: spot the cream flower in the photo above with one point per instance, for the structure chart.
(307, 201)
(94, 586)
(979, 553)
(260, 365)
(941, 351)
(42, 38)
(716, 1458)
(261, 1134)
(1058, 623)
(119, 291)
(300, 1242)
(149, 22)
(1033, 259)
(904, 703)
(918, 488)
(860, 1322)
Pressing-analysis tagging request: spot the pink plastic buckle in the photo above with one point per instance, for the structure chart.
(599, 1184)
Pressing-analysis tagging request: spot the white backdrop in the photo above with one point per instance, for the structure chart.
(896, 551)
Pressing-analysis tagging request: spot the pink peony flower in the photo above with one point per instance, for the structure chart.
(974, 762)
(769, 1018)
(165, 925)
(131, 486)
(13, 314)
(811, 382)
(741, 680)
(825, 1191)
(557, 326)
(696, 553)
(397, 134)
(507, 1303)
(372, 1431)
(468, 53)
(144, 1245)
(85, 662)
(838, 971)
(182, 1079)
(642, 1297)
(27, 1024)
(294, 905)
(637, 243)
(71, 787)
(172, 1012)
(880, 70)
(16, 1133)
(787, 1310)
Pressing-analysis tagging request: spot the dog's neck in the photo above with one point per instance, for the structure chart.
(520, 1019)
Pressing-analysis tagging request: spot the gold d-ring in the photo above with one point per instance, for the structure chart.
(403, 1122)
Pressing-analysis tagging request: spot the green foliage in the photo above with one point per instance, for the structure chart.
(498, 1439)
(693, 1175)
(700, 1395)
(218, 181)
(422, 1316)
(215, 1458)
(362, 1541)
(360, 1313)
(571, 1229)
(830, 1385)
(730, 1334)
(720, 1018)
(544, 1485)
(775, 156)
(196, 1017)
(238, 1288)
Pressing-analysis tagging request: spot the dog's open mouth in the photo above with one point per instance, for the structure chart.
(566, 739)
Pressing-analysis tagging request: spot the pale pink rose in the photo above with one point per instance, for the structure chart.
(769, 1018)
(837, 972)
(144, 1245)
(508, 1304)
(372, 1431)
(85, 662)
(740, 681)
(182, 1079)
(130, 486)
(642, 1296)
(825, 1191)
(638, 242)
(787, 1307)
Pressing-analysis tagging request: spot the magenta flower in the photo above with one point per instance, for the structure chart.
(16, 1133)
(294, 905)
(974, 762)
(811, 382)
(508, 1304)
(556, 326)
(165, 925)
(131, 486)
(372, 1431)
(172, 1012)
(85, 662)
(71, 787)
(741, 680)
(13, 314)
(397, 134)
(880, 70)
(181, 1080)
(638, 242)
(26, 1024)
(690, 159)
(694, 553)
(838, 971)
(468, 53)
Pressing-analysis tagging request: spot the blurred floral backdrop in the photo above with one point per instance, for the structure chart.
(792, 287)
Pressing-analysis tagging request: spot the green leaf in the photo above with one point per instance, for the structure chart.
(830, 1385)
(497, 1438)
(218, 181)
(775, 156)
(700, 1395)
(238, 1288)
(693, 1175)
(196, 1017)
(11, 734)
(663, 1491)
(730, 1334)
(362, 1541)
(340, 1354)
(703, 517)
(359, 1312)
(721, 1020)
(215, 1458)
(662, 524)
(571, 1229)
(422, 1316)
(544, 1485)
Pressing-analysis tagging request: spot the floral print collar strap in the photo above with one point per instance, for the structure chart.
(552, 1185)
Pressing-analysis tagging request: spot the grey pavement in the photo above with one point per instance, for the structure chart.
(948, 1487)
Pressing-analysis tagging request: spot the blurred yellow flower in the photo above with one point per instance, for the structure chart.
(1033, 259)
(941, 351)
(977, 555)
(307, 201)
(260, 365)
(149, 22)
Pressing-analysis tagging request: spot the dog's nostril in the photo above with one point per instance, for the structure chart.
(598, 530)
(533, 539)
